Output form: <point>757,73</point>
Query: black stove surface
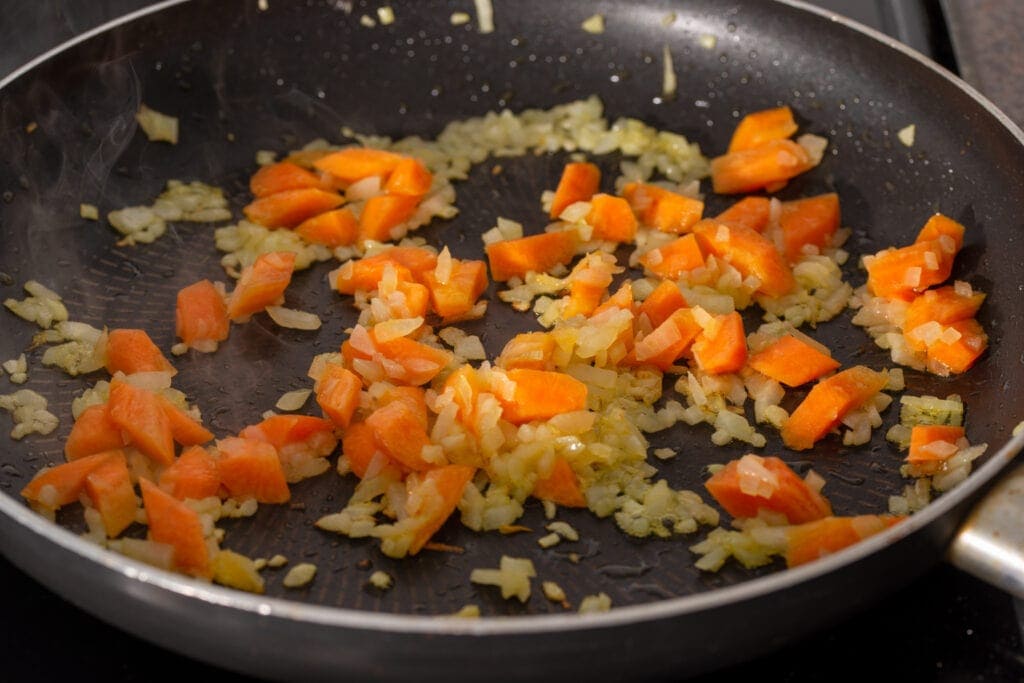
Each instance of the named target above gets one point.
<point>946,627</point>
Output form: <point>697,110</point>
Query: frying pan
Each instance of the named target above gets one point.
<point>242,78</point>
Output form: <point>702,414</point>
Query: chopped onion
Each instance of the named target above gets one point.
<point>591,604</point>
<point>157,127</point>
<point>443,270</point>
<point>293,400</point>
<point>364,189</point>
<point>814,481</point>
<point>292,319</point>
<point>513,577</point>
<point>575,212</point>
<point>484,16</point>
<point>906,135</point>
<point>668,75</point>
<point>814,145</point>
<point>398,327</point>
<point>754,477</point>
<point>594,24</point>
<point>963,289</point>
<point>950,335</point>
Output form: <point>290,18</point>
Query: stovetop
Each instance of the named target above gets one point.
<point>946,627</point>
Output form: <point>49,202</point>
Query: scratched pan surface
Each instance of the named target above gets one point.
<point>241,80</point>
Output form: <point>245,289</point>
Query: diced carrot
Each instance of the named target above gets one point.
<point>611,218</point>
<point>401,435</point>
<point>284,175</point>
<point>289,208</point>
<point>902,273</point>
<point>675,258</point>
<point>536,253</point>
<point>724,350</point>
<point>622,298</point>
<point>766,165</point>
<point>381,214</point>
<point>542,394</point>
<point>57,486</point>
<point>792,361</point>
<point>752,483</point>
<point>410,263</point>
<point>588,284</point>
<point>750,212</point>
<point>665,300</point>
<point>663,209</point>
<point>668,341</point>
<point>141,415</point>
<point>262,284</point>
<point>584,297</point>
<point>420,361</point>
<point>814,540</point>
<point>760,127</point>
<point>579,182</point>
<point>184,429</point>
<point>939,226</point>
<point>131,350</point>
<point>201,315</point>
<point>943,305</point>
<point>418,260</point>
<point>811,221</point>
<point>956,357</point>
<point>174,523</point>
<point>93,432</point>
<point>749,252</point>
<point>356,163</point>
<point>337,392</point>
<point>109,487</point>
<point>561,486</point>
<point>409,177</point>
<point>250,468</point>
<point>931,445</point>
<point>335,228</point>
<point>466,384</point>
<point>527,350</point>
<point>282,431</point>
<point>413,397</point>
<point>457,296</point>
<point>828,402</point>
<point>415,299</point>
<point>193,475</point>
<point>432,498</point>
<point>366,274</point>
<point>359,446</point>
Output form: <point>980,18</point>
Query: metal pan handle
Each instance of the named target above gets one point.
<point>990,544</point>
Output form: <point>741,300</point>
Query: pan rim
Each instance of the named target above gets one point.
<point>345,618</point>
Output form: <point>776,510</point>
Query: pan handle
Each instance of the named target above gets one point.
<point>990,544</point>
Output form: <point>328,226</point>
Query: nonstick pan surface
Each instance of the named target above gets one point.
<point>242,79</point>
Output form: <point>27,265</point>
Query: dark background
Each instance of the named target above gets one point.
<point>945,627</point>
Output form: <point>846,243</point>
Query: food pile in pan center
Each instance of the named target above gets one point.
<point>623,346</point>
